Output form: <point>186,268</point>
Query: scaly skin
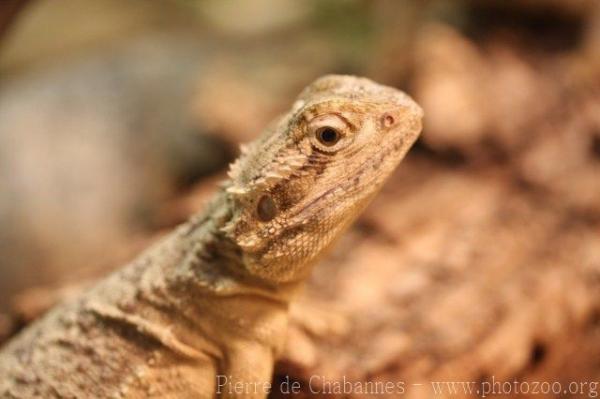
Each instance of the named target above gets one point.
<point>211,299</point>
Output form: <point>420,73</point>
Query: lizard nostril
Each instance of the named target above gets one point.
<point>387,120</point>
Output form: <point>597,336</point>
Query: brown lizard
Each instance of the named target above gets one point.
<point>204,312</point>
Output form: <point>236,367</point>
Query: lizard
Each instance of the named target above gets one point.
<point>203,312</point>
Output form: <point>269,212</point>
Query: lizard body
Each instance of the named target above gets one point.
<point>210,300</point>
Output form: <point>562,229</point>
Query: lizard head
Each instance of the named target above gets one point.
<point>304,181</point>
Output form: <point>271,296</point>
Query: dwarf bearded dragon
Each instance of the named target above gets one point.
<point>211,299</point>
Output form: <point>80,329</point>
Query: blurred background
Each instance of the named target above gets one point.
<point>479,261</point>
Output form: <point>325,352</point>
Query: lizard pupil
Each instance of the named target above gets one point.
<point>266,208</point>
<point>328,136</point>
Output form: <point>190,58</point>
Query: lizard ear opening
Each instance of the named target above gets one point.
<point>266,209</point>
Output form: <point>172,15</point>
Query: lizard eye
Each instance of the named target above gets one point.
<point>329,132</point>
<point>328,135</point>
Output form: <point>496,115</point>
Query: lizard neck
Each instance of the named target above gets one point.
<point>215,263</point>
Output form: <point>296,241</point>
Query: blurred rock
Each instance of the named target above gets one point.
<point>479,99</point>
<point>97,142</point>
<point>450,73</point>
